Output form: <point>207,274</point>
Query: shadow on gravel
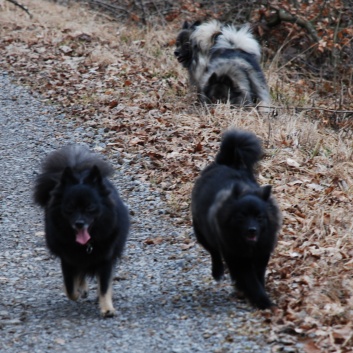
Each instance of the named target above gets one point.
<point>197,302</point>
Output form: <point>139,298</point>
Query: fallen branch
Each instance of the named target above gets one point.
<point>273,107</point>
<point>21,7</point>
<point>318,108</point>
<point>279,15</point>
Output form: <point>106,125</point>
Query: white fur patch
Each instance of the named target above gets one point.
<point>199,69</point>
<point>106,301</point>
<point>203,36</point>
<point>218,202</point>
<point>242,38</point>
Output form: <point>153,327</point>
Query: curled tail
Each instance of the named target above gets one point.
<point>203,37</point>
<point>79,158</point>
<point>239,150</point>
<point>242,38</point>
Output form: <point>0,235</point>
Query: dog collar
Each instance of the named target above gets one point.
<point>89,248</point>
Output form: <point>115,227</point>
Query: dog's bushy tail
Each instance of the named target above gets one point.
<point>239,150</point>
<point>78,158</point>
<point>241,38</point>
<point>203,36</point>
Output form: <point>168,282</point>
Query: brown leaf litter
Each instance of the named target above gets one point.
<point>126,81</point>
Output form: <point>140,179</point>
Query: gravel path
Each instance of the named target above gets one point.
<point>163,291</point>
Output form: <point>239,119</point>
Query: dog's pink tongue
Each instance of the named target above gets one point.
<point>82,236</point>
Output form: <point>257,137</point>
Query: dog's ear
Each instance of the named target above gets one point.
<point>186,25</point>
<point>94,177</point>
<point>265,192</point>
<point>195,24</point>
<point>237,191</point>
<point>68,177</point>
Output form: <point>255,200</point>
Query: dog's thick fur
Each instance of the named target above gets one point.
<point>86,223</point>
<point>185,54</point>
<point>224,64</point>
<point>234,218</point>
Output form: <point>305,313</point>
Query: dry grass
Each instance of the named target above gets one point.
<point>126,79</point>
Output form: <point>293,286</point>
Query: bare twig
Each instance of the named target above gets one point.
<point>322,109</point>
<point>296,56</point>
<point>144,18</point>
<point>280,15</point>
<point>21,7</point>
<point>112,8</point>
<point>308,108</point>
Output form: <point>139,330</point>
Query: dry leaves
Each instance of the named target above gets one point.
<point>126,82</point>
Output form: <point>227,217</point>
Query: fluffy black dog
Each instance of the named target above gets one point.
<point>86,223</point>
<point>234,218</point>
<point>183,50</point>
<point>186,55</point>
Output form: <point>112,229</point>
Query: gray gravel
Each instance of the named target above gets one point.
<point>164,294</point>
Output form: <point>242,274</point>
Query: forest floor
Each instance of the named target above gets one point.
<point>124,81</point>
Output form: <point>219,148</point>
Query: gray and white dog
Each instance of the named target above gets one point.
<point>223,63</point>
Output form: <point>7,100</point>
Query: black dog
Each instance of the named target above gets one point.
<point>234,218</point>
<point>183,50</point>
<point>186,55</point>
<point>86,223</point>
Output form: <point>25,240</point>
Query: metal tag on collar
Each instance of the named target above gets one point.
<point>89,248</point>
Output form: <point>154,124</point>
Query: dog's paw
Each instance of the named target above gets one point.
<point>83,289</point>
<point>80,289</point>
<point>219,277</point>
<point>263,303</point>
<point>218,272</point>
<point>239,294</point>
<point>84,294</point>
<point>74,295</point>
<point>106,304</point>
<point>108,312</point>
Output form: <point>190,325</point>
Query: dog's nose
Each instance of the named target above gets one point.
<point>252,230</point>
<point>176,52</point>
<point>79,224</point>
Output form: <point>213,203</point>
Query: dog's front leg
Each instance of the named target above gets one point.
<point>72,281</point>
<point>105,290</point>
<point>243,273</point>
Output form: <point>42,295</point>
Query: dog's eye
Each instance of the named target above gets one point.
<point>259,218</point>
<point>69,209</point>
<point>239,218</point>
<point>91,208</point>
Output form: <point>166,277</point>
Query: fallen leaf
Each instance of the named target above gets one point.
<point>292,163</point>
